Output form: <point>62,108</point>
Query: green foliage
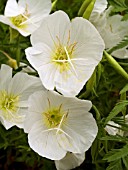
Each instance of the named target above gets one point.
<point>120,6</point>
<point>117,158</point>
<point>71,7</point>
<point>122,44</point>
<point>116,110</point>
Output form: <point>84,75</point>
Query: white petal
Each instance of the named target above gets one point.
<point>5,20</point>
<point>45,142</point>
<point>6,124</point>
<point>121,53</point>
<point>70,161</point>
<point>12,9</point>
<point>90,45</point>
<point>80,126</point>
<point>5,76</point>
<point>37,9</point>
<point>38,55</point>
<point>24,85</point>
<point>16,119</point>
<point>37,104</point>
<point>112,130</point>
<point>100,6</point>
<point>53,27</point>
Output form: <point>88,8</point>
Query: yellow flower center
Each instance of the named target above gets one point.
<point>62,55</point>
<point>8,104</point>
<point>20,19</point>
<point>54,117</point>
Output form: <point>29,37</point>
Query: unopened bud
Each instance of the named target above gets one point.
<point>12,63</point>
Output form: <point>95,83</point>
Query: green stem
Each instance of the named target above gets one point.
<point>5,54</point>
<point>115,65</point>
<point>83,7</point>
<point>88,10</point>
<point>98,117</point>
<point>54,4</point>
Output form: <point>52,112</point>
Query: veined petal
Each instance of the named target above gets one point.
<point>44,142</point>
<point>112,130</point>
<point>37,105</point>
<point>114,31</point>
<point>37,9</point>
<point>13,9</point>
<point>70,161</point>
<point>24,85</point>
<point>60,23</point>
<point>38,55</point>
<point>6,124</point>
<point>89,45</point>
<point>14,119</point>
<point>5,20</point>
<point>85,132</point>
<point>5,80</point>
<point>121,53</point>
<point>100,6</point>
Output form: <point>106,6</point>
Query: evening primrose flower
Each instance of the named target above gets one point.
<point>70,161</point>
<point>112,29</point>
<point>65,53</point>
<point>112,130</point>
<point>99,7</point>
<point>56,124</point>
<point>113,33</point>
<point>26,15</point>
<point>14,93</point>
<point>98,14</point>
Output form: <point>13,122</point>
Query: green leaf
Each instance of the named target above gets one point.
<point>117,109</point>
<point>125,17</point>
<point>119,5</point>
<point>116,154</point>
<point>120,45</point>
<point>115,165</point>
<point>114,138</point>
<point>125,161</point>
<point>124,89</point>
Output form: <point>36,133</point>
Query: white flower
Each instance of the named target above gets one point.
<point>70,161</point>
<point>14,93</point>
<point>26,15</point>
<point>99,7</point>
<point>113,30</point>
<point>97,16</point>
<point>56,124</point>
<point>112,130</point>
<point>26,68</point>
<point>65,53</point>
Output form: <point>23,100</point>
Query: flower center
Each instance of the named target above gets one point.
<point>62,55</point>
<point>53,117</point>
<point>8,104</point>
<point>18,20</point>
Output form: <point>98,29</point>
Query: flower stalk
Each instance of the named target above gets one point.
<point>12,62</point>
<point>115,65</point>
<point>86,9</point>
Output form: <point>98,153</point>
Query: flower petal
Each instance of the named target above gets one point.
<point>70,161</point>
<point>45,142</point>
<point>5,80</point>
<point>23,85</point>
<point>37,9</point>
<point>37,104</point>
<point>59,22</point>
<point>13,9</point>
